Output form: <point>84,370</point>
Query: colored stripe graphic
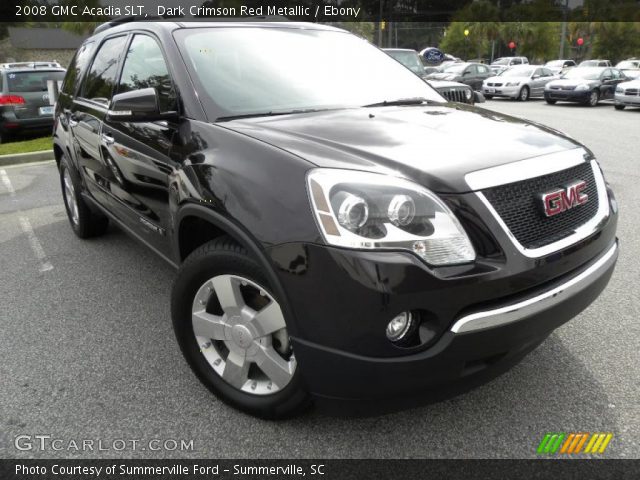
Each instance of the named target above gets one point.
<point>572,443</point>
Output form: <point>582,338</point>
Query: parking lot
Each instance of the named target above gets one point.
<point>87,350</point>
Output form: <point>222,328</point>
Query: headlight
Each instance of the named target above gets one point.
<point>372,211</point>
<point>468,94</point>
<point>582,86</point>
<point>512,84</point>
<point>619,90</point>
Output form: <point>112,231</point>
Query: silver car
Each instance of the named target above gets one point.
<point>627,94</point>
<point>521,82</point>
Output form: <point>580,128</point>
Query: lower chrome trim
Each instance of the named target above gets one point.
<point>580,233</point>
<point>539,303</point>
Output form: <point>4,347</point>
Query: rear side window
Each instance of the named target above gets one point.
<point>145,67</point>
<point>77,68</point>
<point>36,81</point>
<point>101,78</point>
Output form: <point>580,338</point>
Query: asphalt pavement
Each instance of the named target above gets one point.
<point>87,351</point>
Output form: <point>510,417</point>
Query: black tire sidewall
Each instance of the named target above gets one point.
<point>206,264</point>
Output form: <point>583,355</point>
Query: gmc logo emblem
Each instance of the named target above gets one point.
<point>558,201</point>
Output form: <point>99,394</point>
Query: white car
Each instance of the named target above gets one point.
<point>521,82</point>
<point>504,63</point>
<point>560,66</point>
<point>627,94</point>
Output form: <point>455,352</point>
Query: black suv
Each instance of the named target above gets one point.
<point>25,107</point>
<point>340,230</point>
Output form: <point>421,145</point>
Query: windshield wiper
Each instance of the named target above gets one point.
<point>267,114</point>
<point>403,101</point>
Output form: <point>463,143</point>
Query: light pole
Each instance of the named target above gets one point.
<point>466,42</point>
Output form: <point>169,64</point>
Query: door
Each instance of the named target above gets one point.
<point>538,80</point>
<point>608,86</point>
<point>139,151</point>
<point>86,114</point>
<point>484,72</point>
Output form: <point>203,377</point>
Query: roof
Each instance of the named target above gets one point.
<point>44,38</point>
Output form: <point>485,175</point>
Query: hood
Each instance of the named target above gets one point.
<point>631,84</point>
<point>446,84</point>
<point>442,76</point>
<point>432,145</point>
<point>570,82</point>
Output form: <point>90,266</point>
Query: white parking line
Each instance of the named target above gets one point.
<point>36,246</point>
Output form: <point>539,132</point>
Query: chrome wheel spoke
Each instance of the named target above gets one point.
<point>236,370</point>
<point>274,366</point>
<point>208,325</point>
<point>268,320</point>
<point>227,289</point>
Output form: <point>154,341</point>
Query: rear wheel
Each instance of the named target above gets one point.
<point>84,222</point>
<point>619,107</point>
<point>524,94</point>
<point>233,334</point>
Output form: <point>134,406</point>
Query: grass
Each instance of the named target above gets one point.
<point>32,145</point>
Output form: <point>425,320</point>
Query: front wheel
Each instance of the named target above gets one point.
<point>594,97</point>
<point>488,97</point>
<point>232,332</point>
<point>550,102</point>
<point>524,94</point>
<point>619,107</point>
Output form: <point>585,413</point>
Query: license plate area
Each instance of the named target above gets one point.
<point>45,111</point>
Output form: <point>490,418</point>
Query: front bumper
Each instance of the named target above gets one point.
<point>511,92</point>
<point>480,344</point>
<point>628,100</point>
<point>581,96</point>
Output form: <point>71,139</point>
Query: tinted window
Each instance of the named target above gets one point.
<point>516,61</point>
<point>145,67</point>
<point>36,81</point>
<point>77,67</point>
<point>616,73</point>
<point>101,77</point>
<point>483,69</point>
<point>547,73</point>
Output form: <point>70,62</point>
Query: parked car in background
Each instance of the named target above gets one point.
<point>520,82</point>
<point>472,74</point>
<point>629,64</point>
<point>627,95</point>
<point>452,91</point>
<point>586,85</point>
<point>595,63</point>
<point>560,66</point>
<point>25,108</point>
<point>503,63</point>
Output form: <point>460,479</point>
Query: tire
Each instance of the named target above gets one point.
<point>550,102</point>
<point>619,107</point>
<point>594,98</point>
<point>84,222</point>
<point>213,328</point>
<point>488,97</point>
<point>523,96</point>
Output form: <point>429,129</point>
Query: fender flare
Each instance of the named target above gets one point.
<point>245,239</point>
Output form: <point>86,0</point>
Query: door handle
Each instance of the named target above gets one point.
<point>108,139</point>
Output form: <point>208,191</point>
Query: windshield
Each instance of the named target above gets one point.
<point>36,81</point>
<point>501,61</point>
<point>584,73</point>
<point>411,60</point>
<point>627,64</point>
<point>517,72</point>
<point>455,68</point>
<point>244,71</point>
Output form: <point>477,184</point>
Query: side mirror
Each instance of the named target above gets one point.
<point>536,77</point>
<point>136,106</point>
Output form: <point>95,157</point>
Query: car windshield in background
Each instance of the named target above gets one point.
<point>409,60</point>
<point>245,71</point>
<point>554,63</point>
<point>517,72</point>
<point>455,68</point>
<point>585,73</point>
<point>627,64</point>
<point>35,81</point>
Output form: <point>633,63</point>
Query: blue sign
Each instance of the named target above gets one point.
<point>433,55</point>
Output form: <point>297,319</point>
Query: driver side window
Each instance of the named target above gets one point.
<point>145,67</point>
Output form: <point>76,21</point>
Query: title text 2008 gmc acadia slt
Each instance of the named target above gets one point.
<point>341,231</point>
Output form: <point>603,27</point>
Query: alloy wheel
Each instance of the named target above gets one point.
<point>242,334</point>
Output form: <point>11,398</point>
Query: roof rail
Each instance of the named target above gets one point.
<point>120,20</point>
<point>33,65</point>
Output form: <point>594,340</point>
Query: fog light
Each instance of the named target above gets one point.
<point>399,326</point>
